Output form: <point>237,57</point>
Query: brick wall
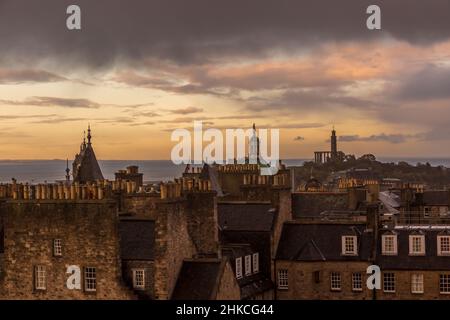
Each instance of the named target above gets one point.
<point>148,292</point>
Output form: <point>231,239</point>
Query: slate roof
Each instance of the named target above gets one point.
<point>246,216</point>
<point>431,261</point>
<point>312,204</point>
<point>85,167</point>
<point>198,279</point>
<point>137,239</point>
<point>436,197</point>
<point>321,242</point>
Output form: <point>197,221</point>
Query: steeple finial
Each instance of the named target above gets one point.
<point>89,134</point>
<point>254,126</point>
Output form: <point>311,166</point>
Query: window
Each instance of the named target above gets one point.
<point>57,247</point>
<point>443,211</point>
<point>349,245</point>
<point>416,245</point>
<point>357,281</point>
<point>40,278</point>
<point>443,245</point>
<point>389,282</point>
<point>238,268</point>
<point>256,262</point>
<point>248,265</point>
<point>417,283</point>
<point>444,283</point>
<point>389,244</point>
<point>283,282</point>
<point>427,212</point>
<point>90,279</point>
<point>139,278</point>
<point>335,279</point>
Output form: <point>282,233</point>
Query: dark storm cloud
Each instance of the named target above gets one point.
<point>431,82</point>
<point>197,31</point>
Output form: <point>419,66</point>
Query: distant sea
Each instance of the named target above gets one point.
<point>38,171</point>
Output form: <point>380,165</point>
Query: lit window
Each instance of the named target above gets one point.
<point>57,247</point>
<point>357,281</point>
<point>417,283</point>
<point>389,244</point>
<point>40,278</point>
<point>389,282</point>
<point>90,279</point>
<point>256,262</point>
<point>443,245</point>
<point>335,279</point>
<point>139,278</point>
<point>283,282</point>
<point>349,245</point>
<point>239,268</point>
<point>416,245</point>
<point>444,283</point>
<point>248,265</point>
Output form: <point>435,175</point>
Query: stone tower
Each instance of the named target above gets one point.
<point>85,166</point>
<point>333,145</point>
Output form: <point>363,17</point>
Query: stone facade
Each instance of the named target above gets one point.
<point>88,234</point>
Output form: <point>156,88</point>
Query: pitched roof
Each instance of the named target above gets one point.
<point>321,242</point>
<point>311,204</point>
<point>240,216</point>
<point>198,279</point>
<point>85,165</point>
<point>431,261</point>
<point>436,197</point>
<point>137,239</point>
<point>210,172</point>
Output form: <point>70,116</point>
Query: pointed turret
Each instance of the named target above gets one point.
<point>85,166</point>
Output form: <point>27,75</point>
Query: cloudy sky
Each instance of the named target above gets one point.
<point>139,69</point>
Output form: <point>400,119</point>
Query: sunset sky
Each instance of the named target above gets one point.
<point>139,69</point>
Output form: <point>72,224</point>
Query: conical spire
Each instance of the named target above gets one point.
<point>89,134</point>
<point>67,170</point>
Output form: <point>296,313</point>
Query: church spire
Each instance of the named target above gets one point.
<point>89,134</point>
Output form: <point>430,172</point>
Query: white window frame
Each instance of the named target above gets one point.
<point>417,283</point>
<point>384,239</point>
<point>255,262</point>
<point>335,281</point>
<point>357,281</point>
<point>389,277</point>
<point>90,279</point>
<point>412,243</point>
<point>40,278</point>
<point>57,247</point>
<point>248,265</point>
<point>239,268</point>
<point>444,283</point>
<point>439,245</point>
<point>283,279</point>
<point>351,241</point>
<point>138,278</point>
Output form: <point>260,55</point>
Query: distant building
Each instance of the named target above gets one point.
<point>332,155</point>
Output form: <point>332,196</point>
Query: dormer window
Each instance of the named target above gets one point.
<point>349,246</point>
<point>389,244</point>
<point>239,268</point>
<point>416,245</point>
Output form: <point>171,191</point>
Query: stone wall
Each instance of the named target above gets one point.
<point>88,231</point>
<point>228,288</point>
<point>303,284</point>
